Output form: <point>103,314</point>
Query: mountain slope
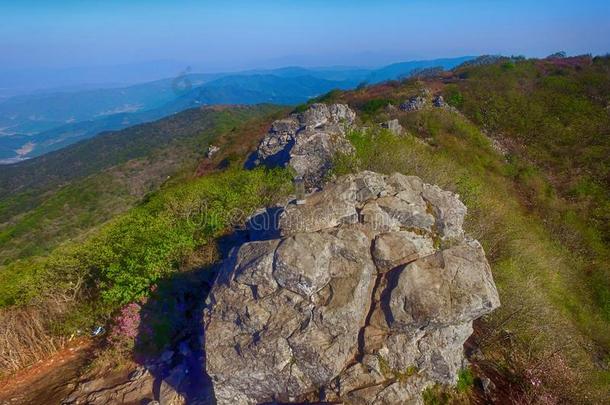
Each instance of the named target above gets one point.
<point>405,69</point>
<point>42,111</point>
<point>549,337</point>
<point>64,193</point>
<point>228,90</point>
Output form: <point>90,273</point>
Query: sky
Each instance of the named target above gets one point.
<point>240,34</point>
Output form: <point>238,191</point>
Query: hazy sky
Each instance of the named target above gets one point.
<point>231,35</point>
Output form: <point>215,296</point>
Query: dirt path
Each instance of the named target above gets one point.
<point>48,381</point>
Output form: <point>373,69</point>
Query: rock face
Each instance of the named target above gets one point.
<point>365,295</point>
<point>307,141</point>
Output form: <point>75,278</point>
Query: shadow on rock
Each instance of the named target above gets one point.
<point>171,343</point>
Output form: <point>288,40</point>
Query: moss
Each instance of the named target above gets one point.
<point>398,375</point>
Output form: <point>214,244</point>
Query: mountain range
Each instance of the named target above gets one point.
<point>34,124</point>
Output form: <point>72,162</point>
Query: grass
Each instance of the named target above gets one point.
<point>541,213</point>
<point>547,305</point>
<point>552,113</point>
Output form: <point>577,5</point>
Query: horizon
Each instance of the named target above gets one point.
<point>220,37</point>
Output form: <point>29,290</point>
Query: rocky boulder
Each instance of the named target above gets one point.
<point>416,103</point>
<point>439,102</point>
<point>365,295</point>
<point>212,150</point>
<point>307,141</point>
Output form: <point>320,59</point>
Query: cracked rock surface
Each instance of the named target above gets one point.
<point>365,294</point>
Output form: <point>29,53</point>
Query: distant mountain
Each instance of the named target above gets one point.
<point>403,70</point>
<point>111,148</point>
<point>261,88</point>
<point>245,90</point>
<point>340,73</point>
<point>39,112</point>
<point>35,124</point>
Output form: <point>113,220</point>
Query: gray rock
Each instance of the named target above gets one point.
<point>354,301</point>
<point>137,388</point>
<point>326,209</point>
<point>410,215</point>
<point>169,391</point>
<point>452,287</point>
<point>393,126</point>
<point>212,150</point>
<point>308,141</point>
<point>393,249</point>
<point>292,341</point>
<point>448,210</point>
<point>280,136</point>
<point>439,102</point>
<point>313,151</point>
<point>302,262</point>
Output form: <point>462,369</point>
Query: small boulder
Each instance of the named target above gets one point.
<point>416,103</point>
<point>307,141</point>
<point>439,102</point>
<point>393,249</point>
<point>212,150</point>
<point>393,126</point>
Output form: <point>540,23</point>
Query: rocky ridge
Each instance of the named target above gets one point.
<point>366,295</point>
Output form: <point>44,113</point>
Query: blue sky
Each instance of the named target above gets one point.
<point>232,35</point>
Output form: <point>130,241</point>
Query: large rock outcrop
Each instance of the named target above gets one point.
<point>307,141</point>
<point>365,295</point>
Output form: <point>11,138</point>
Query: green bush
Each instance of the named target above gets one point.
<point>373,106</point>
<point>124,258</point>
<point>454,96</point>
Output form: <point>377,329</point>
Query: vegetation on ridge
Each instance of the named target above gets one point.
<point>526,150</point>
<point>67,193</point>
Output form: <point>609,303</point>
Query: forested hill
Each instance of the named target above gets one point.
<point>90,156</point>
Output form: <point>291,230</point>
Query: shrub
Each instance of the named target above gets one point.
<point>465,380</point>
<point>454,96</point>
<point>87,281</point>
<point>373,106</point>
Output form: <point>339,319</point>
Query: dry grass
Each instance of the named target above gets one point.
<point>25,339</point>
